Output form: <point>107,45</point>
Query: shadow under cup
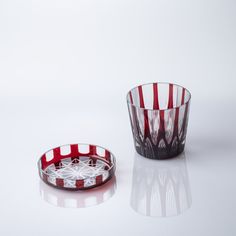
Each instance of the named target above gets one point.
<point>159,117</point>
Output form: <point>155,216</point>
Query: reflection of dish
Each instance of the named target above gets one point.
<point>160,188</point>
<point>81,199</point>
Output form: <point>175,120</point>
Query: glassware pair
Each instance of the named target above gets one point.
<point>159,117</point>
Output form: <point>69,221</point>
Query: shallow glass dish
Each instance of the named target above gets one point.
<point>76,166</point>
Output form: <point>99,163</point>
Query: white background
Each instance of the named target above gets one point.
<point>65,69</point>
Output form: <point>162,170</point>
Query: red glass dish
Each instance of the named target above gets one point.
<point>76,166</point>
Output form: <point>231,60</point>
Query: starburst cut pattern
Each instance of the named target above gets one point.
<point>77,169</point>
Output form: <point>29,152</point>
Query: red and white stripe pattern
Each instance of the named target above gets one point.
<point>76,166</point>
<point>160,189</point>
<point>159,114</point>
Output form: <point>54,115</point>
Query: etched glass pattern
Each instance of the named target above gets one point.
<point>76,166</point>
<point>159,117</point>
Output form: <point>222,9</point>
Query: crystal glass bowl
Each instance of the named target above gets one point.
<point>76,166</point>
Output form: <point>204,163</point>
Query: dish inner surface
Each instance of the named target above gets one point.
<point>81,168</point>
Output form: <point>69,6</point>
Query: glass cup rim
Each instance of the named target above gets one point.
<point>149,109</point>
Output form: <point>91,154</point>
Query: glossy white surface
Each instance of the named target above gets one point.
<point>65,69</point>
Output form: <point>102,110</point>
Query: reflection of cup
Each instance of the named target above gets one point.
<point>81,199</point>
<point>159,118</point>
<point>160,188</point>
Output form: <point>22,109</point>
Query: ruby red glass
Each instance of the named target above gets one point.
<point>76,166</point>
<point>159,117</point>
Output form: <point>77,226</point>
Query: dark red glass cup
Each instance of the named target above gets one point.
<point>159,118</point>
